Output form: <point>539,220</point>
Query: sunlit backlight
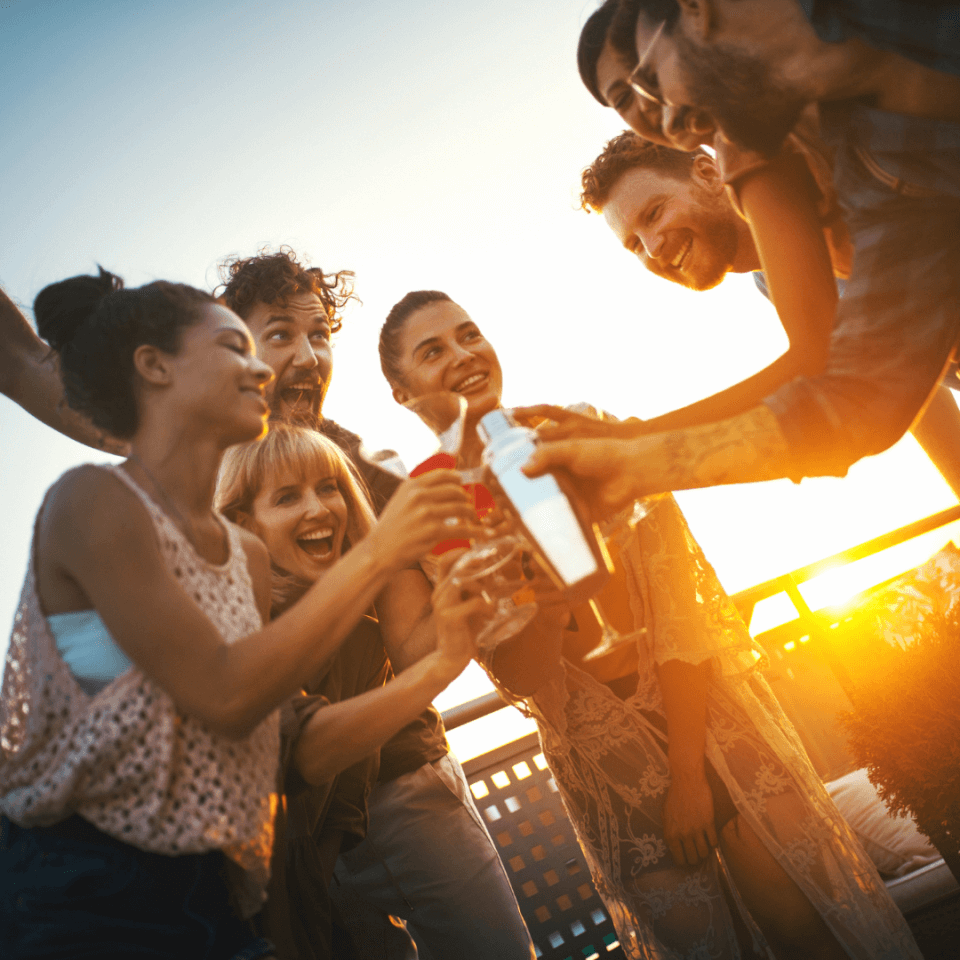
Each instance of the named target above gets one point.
<point>489,732</point>
<point>771,612</point>
<point>480,790</point>
<point>836,587</point>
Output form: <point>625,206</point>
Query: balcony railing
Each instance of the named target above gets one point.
<point>519,801</point>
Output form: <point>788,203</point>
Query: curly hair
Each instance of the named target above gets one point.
<point>393,327</point>
<point>95,325</point>
<point>629,151</point>
<point>272,277</point>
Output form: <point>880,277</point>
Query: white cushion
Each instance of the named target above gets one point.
<point>894,843</point>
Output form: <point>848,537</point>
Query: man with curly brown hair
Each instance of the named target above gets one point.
<point>292,311</point>
<point>427,864</point>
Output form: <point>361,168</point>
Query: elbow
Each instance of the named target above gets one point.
<point>812,364</point>
<point>232,718</point>
<point>808,360</point>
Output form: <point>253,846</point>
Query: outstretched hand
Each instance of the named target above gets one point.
<point>558,423</point>
<point>602,470</point>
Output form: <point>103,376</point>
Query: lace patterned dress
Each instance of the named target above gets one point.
<point>609,758</point>
<point>126,759</point>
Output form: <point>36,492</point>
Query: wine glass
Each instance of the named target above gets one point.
<point>616,532</point>
<point>496,568</point>
<point>497,571</point>
<point>445,414</point>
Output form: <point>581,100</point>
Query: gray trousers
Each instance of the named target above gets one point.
<point>427,883</point>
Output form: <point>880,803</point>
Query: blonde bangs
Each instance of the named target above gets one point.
<point>288,454</point>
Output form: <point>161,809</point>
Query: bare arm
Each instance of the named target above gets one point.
<point>779,204</point>
<point>530,660</point>
<point>613,473</point>
<point>29,377</point>
<point>341,734</point>
<point>97,533</point>
<point>406,621</point>
<point>688,824</point>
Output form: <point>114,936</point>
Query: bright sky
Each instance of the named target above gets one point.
<point>430,144</point>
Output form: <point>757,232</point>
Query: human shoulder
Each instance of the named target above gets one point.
<point>91,493</point>
<point>91,513</point>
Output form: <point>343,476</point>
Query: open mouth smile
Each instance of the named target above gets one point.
<point>471,383</point>
<point>301,395</point>
<point>318,544</point>
<point>680,257</point>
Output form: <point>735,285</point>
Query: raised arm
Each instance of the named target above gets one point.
<point>613,473</point>
<point>406,619</point>
<point>97,533</point>
<point>341,734</point>
<point>779,204</point>
<point>29,377</point>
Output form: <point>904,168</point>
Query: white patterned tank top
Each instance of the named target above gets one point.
<point>126,759</point>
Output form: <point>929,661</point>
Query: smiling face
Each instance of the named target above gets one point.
<point>302,520</point>
<point>683,230</point>
<point>293,338</point>
<point>441,348</point>
<point>641,114</point>
<point>216,381</point>
<point>703,87</point>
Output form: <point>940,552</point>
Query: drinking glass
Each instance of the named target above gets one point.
<point>445,414</point>
<point>616,532</point>
<point>497,569</point>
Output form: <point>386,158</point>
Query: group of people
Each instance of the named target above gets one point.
<point>216,737</point>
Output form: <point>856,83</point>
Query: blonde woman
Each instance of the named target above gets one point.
<point>296,491</point>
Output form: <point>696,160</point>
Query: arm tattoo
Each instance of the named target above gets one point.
<point>743,449</point>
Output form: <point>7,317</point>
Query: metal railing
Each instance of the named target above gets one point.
<point>808,621</point>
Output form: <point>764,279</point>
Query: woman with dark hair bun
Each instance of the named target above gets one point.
<point>138,721</point>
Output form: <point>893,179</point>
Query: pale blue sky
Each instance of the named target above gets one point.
<point>421,144</point>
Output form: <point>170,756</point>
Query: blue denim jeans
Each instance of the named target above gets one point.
<point>71,891</point>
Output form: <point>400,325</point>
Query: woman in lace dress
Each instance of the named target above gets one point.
<point>703,822</point>
<point>138,722</point>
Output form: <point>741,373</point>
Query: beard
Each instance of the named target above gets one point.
<point>741,94</point>
<point>716,243</point>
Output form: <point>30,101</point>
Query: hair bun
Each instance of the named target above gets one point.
<point>61,308</point>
